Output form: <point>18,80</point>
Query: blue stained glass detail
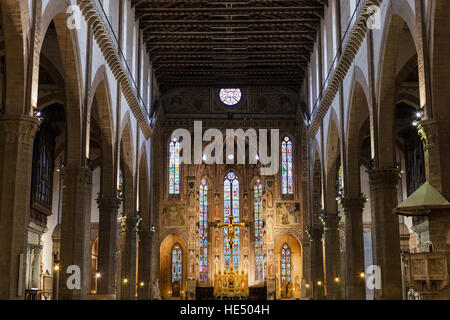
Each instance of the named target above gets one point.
<point>174,167</point>
<point>285,264</point>
<point>287,166</point>
<point>203,231</point>
<point>177,264</point>
<point>258,219</point>
<point>231,207</point>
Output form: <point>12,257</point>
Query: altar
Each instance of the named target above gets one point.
<point>231,284</point>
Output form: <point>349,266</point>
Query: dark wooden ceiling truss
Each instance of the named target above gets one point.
<point>229,43</point>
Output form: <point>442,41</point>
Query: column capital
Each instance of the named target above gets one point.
<point>108,203</point>
<point>315,231</point>
<point>75,173</point>
<point>430,131</point>
<point>352,205</point>
<point>18,128</point>
<point>383,177</point>
<point>130,223</point>
<point>330,220</point>
<point>36,247</point>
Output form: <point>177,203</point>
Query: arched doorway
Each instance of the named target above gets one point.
<point>289,267</point>
<point>173,267</point>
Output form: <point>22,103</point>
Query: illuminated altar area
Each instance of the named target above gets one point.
<point>231,284</point>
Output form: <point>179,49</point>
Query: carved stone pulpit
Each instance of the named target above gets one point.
<point>427,274</point>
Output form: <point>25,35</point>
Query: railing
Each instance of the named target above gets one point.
<point>99,6</point>
<point>342,45</point>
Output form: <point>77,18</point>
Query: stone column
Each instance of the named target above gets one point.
<point>354,248</point>
<point>332,255</point>
<point>17,134</point>
<point>75,233</point>
<point>107,233</point>
<point>130,227</point>
<point>36,266</point>
<point>145,249</point>
<point>155,258</point>
<point>386,231</point>
<point>436,137</point>
<point>316,232</point>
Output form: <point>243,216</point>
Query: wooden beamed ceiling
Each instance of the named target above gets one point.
<point>229,43</point>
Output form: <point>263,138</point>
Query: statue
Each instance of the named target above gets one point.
<point>270,200</point>
<point>156,294</point>
<point>245,205</point>
<point>231,230</point>
<point>191,200</point>
<point>217,263</point>
<point>216,201</point>
<point>413,295</point>
<point>270,229</point>
<point>283,214</point>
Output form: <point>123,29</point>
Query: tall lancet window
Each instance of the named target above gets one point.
<point>340,181</point>
<point>121,183</point>
<point>231,207</point>
<point>203,231</point>
<point>259,261</point>
<point>287,173</point>
<point>174,167</point>
<point>177,264</point>
<point>285,263</point>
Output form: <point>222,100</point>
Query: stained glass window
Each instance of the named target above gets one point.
<point>174,167</point>
<point>121,185</point>
<point>285,263</point>
<point>259,260</point>
<point>230,97</point>
<point>203,232</point>
<point>231,207</point>
<point>177,264</point>
<point>287,174</point>
<point>341,181</point>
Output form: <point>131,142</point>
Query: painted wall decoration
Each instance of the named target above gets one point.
<point>288,213</point>
<point>173,215</point>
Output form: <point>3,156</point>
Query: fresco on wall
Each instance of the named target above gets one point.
<point>186,101</point>
<point>288,213</point>
<point>173,215</point>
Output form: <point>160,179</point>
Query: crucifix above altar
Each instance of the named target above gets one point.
<point>231,230</point>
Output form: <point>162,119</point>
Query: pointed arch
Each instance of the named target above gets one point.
<point>101,111</point>
<point>293,287</point>
<point>358,117</point>
<point>333,164</point>
<point>14,15</point>
<point>396,20</point>
<point>127,164</point>
<point>144,201</point>
<point>316,187</point>
<point>71,71</point>
<point>440,53</point>
<point>169,241</point>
